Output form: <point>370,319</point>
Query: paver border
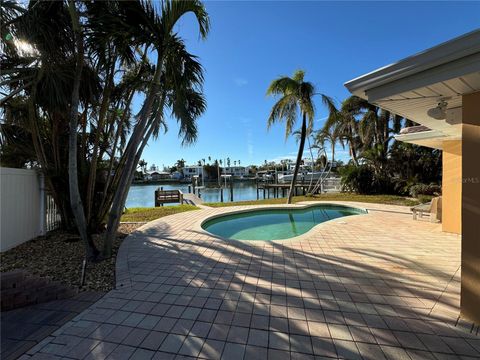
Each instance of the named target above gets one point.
<point>301,205</point>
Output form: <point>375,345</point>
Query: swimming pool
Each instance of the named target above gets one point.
<point>275,224</point>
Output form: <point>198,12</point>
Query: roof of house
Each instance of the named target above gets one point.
<point>452,58</point>
<point>412,86</point>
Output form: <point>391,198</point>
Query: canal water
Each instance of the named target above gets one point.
<point>143,195</point>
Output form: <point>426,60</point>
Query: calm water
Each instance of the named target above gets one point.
<point>275,224</point>
<point>143,195</point>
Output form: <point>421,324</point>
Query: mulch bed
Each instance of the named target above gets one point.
<point>59,256</point>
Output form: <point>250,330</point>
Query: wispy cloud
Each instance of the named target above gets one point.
<point>247,124</point>
<point>239,81</point>
<point>250,143</point>
<point>290,156</point>
<point>321,120</point>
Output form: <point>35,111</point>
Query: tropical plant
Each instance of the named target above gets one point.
<point>180,164</point>
<point>143,165</point>
<point>331,136</point>
<point>88,60</point>
<point>424,189</point>
<point>296,98</point>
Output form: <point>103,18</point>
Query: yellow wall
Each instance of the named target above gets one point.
<point>452,187</point>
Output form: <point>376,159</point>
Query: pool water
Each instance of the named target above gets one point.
<point>275,224</point>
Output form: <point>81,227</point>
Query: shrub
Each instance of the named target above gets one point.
<point>357,179</point>
<point>424,189</point>
<point>424,198</point>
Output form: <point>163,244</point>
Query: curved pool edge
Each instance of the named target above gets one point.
<point>301,205</point>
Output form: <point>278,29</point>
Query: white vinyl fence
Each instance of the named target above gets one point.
<point>26,210</point>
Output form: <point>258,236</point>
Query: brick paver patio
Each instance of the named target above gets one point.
<point>371,286</point>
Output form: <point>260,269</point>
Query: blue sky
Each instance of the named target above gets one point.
<point>252,43</point>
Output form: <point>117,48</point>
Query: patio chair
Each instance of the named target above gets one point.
<point>433,208</point>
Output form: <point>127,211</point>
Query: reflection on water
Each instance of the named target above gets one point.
<point>143,195</point>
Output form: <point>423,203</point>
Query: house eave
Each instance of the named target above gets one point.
<point>458,53</point>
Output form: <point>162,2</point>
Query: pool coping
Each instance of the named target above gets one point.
<point>302,205</point>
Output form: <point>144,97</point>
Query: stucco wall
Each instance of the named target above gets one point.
<point>21,204</point>
<point>452,187</point>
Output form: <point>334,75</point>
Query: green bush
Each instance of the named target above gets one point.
<point>358,179</point>
<point>424,198</point>
<point>424,189</point>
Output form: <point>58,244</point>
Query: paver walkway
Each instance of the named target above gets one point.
<point>23,328</point>
<point>371,286</point>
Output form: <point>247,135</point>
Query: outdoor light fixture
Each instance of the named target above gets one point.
<point>440,111</point>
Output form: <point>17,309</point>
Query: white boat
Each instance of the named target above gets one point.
<point>307,176</point>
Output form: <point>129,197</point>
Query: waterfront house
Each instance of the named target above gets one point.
<point>439,89</point>
<point>236,171</point>
<point>190,171</point>
<point>157,175</point>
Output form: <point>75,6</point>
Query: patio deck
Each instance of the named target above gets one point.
<point>371,286</point>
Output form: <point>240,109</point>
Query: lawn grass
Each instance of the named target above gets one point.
<point>377,199</point>
<point>144,214</point>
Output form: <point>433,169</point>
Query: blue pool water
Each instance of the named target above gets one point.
<point>275,224</point>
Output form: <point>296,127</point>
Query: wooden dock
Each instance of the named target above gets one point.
<point>192,199</point>
<point>280,190</point>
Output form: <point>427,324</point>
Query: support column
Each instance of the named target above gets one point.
<point>452,186</point>
<point>470,285</point>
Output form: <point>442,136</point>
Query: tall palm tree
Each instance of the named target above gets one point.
<point>296,95</point>
<point>183,75</point>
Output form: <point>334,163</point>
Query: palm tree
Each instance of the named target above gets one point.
<point>177,70</point>
<point>108,46</point>
<point>344,125</point>
<point>296,95</point>
<point>332,137</point>
<point>76,203</point>
<point>143,165</point>
<point>180,163</point>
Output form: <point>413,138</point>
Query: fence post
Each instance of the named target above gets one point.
<point>43,206</point>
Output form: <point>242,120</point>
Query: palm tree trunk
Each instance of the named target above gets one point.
<point>130,163</point>
<point>299,158</point>
<point>94,158</point>
<point>75,199</point>
<point>333,151</point>
<point>353,154</point>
